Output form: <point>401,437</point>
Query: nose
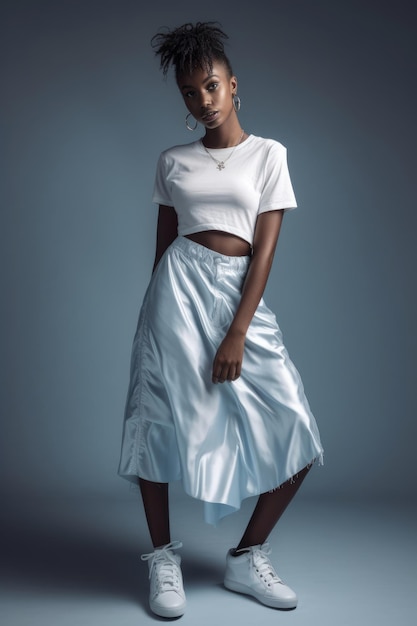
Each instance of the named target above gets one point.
<point>205,100</point>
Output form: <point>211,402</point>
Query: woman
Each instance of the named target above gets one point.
<point>214,399</point>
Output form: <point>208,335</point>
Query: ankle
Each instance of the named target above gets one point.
<point>237,552</point>
<point>243,549</point>
<point>161,546</point>
<point>246,546</point>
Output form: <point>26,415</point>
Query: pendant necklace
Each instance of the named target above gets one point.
<point>221,164</point>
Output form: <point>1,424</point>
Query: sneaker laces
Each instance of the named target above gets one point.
<point>263,565</point>
<point>165,567</point>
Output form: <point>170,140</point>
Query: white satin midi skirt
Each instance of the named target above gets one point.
<point>225,442</point>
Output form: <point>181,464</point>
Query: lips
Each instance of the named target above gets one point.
<point>209,116</point>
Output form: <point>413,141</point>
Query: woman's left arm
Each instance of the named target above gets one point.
<point>227,363</point>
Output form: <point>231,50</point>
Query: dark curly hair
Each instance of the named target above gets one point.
<point>191,46</point>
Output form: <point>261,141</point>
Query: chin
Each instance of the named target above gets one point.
<point>213,125</point>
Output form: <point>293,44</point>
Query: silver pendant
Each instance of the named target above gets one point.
<point>220,165</point>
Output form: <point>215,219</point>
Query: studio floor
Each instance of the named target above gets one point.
<point>76,562</point>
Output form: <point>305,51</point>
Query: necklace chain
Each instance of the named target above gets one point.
<point>221,164</point>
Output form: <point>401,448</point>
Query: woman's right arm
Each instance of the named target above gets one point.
<point>167,230</point>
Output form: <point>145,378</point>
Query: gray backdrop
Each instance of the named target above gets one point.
<point>86,113</point>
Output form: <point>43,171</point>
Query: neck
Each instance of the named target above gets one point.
<point>223,137</point>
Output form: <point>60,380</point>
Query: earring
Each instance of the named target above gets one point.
<point>236,102</point>
<point>187,124</point>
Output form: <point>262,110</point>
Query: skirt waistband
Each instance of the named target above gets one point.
<point>202,253</point>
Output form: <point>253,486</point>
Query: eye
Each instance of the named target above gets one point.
<point>212,86</point>
<point>188,94</point>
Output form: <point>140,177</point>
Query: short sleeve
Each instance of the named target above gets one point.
<point>161,191</point>
<point>277,191</point>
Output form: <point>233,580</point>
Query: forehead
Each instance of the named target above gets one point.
<point>201,75</point>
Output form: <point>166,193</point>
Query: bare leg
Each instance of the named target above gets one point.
<point>155,502</point>
<point>268,510</point>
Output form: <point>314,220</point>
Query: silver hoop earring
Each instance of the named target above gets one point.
<point>187,124</point>
<point>236,103</point>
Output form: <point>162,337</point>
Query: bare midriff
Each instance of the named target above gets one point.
<point>222,242</point>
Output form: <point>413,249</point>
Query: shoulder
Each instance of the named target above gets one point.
<point>267,152</point>
<point>178,152</point>
<point>268,145</point>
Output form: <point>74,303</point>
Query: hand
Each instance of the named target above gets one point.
<point>227,364</point>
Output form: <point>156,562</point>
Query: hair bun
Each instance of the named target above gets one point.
<point>191,46</point>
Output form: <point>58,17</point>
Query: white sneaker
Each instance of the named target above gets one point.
<point>252,573</point>
<point>166,597</point>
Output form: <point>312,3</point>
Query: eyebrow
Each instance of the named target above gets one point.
<point>204,81</point>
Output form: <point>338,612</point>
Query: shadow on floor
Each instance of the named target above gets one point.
<point>41,558</point>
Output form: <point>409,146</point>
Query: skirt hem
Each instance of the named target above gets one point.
<point>214,512</point>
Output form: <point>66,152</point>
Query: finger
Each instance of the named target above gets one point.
<point>222,377</point>
<point>216,375</point>
<point>231,374</point>
<point>219,373</point>
<point>238,371</point>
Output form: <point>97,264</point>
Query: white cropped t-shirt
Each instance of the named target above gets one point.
<point>255,180</point>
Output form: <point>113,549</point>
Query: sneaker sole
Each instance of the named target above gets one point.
<point>285,605</point>
<point>168,612</point>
